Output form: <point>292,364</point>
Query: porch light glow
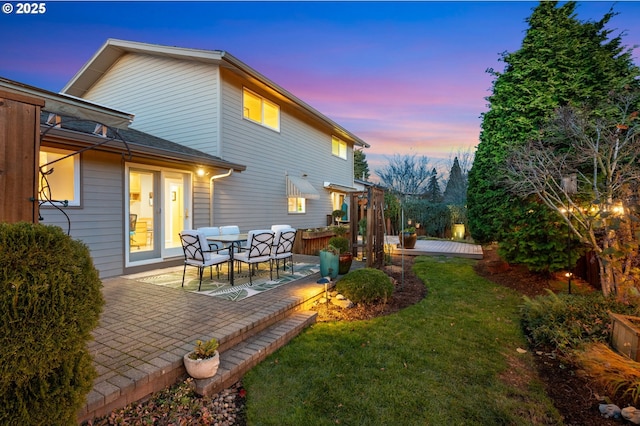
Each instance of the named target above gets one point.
<point>200,172</point>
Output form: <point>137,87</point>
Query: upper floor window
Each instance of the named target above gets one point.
<point>64,182</point>
<point>258,109</point>
<point>338,147</point>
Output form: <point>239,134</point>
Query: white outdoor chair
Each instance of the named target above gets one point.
<point>194,255</point>
<point>258,250</point>
<point>276,228</point>
<point>212,231</point>
<point>230,230</point>
<point>282,248</point>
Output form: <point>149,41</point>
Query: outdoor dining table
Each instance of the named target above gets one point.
<point>232,240</point>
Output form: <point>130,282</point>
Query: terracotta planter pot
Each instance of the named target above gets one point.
<point>409,240</point>
<point>202,368</point>
<point>344,263</point>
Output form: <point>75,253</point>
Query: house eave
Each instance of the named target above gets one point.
<point>112,49</point>
<point>69,105</point>
<point>74,139</point>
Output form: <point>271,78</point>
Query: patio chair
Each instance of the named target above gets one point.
<point>282,248</point>
<point>230,230</point>
<point>276,228</point>
<point>192,243</point>
<point>258,251</point>
<point>211,231</point>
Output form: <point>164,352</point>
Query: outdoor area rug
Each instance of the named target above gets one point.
<point>220,287</point>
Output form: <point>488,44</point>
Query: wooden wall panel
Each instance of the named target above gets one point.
<point>19,147</point>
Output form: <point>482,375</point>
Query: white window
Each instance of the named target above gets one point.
<point>338,147</point>
<point>297,205</point>
<point>63,183</point>
<point>260,110</point>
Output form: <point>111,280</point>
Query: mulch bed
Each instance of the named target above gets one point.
<point>572,395</point>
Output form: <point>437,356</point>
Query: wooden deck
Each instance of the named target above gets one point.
<point>436,248</point>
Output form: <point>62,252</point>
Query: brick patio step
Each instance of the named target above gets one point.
<point>236,361</point>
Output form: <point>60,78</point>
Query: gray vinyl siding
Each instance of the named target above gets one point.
<point>98,221</point>
<point>171,99</point>
<point>201,209</point>
<point>200,106</point>
<point>257,198</point>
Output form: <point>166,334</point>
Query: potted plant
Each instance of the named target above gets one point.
<point>204,360</point>
<point>329,261</point>
<point>337,214</point>
<point>409,237</point>
<point>345,257</point>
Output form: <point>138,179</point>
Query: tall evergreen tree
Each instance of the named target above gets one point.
<point>456,191</point>
<point>562,61</point>
<point>433,193</point>
<point>360,165</point>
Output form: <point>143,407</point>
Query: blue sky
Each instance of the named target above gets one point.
<point>407,77</point>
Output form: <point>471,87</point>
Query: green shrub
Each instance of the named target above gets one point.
<point>341,243</point>
<point>566,321</point>
<point>50,299</point>
<point>365,286</point>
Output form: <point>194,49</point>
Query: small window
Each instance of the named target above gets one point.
<point>338,148</point>
<point>64,181</point>
<point>260,110</point>
<point>297,205</point>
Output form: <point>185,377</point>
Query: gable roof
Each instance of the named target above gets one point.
<point>70,105</point>
<point>113,49</point>
<point>80,117</point>
<point>141,145</point>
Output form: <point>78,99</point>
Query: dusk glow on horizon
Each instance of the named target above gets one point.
<point>406,77</point>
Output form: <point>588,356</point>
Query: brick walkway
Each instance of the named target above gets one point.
<point>146,329</point>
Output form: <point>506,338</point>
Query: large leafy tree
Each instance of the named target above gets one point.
<point>586,168</point>
<point>562,61</point>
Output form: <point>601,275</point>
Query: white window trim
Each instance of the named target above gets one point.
<point>263,101</point>
<point>304,206</point>
<point>76,175</point>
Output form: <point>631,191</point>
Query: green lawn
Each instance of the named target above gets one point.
<point>444,361</point>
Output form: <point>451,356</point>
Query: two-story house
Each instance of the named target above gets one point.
<point>298,163</point>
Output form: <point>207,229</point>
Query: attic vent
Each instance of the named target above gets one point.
<point>54,120</point>
<point>100,130</point>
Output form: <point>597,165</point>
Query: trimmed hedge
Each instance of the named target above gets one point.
<point>341,243</point>
<point>367,286</point>
<point>50,299</point>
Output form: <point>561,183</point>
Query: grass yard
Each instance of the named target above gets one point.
<point>450,359</point>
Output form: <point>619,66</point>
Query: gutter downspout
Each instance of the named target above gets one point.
<point>211,179</point>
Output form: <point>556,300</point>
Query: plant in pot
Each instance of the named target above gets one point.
<point>345,257</point>
<point>337,214</point>
<point>409,237</point>
<point>204,360</point>
<point>329,261</point>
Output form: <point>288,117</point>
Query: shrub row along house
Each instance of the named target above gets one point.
<point>190,138</point>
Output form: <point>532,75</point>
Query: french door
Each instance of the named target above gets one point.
<point>158,209</point>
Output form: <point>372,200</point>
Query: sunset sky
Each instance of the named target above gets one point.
<point>407,77</point>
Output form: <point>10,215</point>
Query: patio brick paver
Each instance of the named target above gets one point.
<point>145,329</point>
